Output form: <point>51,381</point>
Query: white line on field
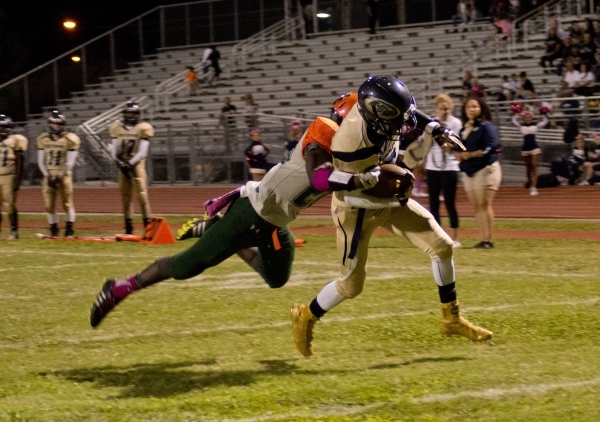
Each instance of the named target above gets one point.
<point>317,413</point>
<point>494,393</point>
<point>241,327</point>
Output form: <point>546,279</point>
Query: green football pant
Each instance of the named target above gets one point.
<point>240,228</point>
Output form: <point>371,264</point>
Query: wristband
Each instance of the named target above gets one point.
<point>320,179</point>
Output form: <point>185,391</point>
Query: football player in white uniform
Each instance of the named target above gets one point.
<point>57,153</point>
<point>130,144</point>
<point>12,148</point>
<point>385,110</point>
<point>255,224</point>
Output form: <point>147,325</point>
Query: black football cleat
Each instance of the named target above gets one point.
<point>104,303</point>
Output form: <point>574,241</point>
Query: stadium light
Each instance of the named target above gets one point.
<point>69,24</point>
<point>75,59</point>
<point>323,15</point>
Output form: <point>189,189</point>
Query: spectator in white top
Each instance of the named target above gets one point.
<point>586,81</point>
<point>569,78</point>
<point>461,15</point>
<point>442,168</point>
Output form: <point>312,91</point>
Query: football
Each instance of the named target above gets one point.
<point>393,181</point>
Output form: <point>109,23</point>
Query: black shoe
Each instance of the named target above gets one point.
<point>104,303</point>
<point>484,245</point>
<point>69,230</point>
<point>54,230</point>
<point>128,226</point>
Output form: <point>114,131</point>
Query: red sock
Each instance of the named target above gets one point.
<point>124,287</point>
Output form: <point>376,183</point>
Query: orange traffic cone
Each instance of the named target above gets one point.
<point>158,232</point>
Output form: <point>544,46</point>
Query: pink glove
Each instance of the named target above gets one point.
<point>213,206</point>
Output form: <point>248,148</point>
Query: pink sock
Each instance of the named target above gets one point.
<point>124,287</point>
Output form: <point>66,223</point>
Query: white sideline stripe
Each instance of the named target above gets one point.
<point>234,328</point>
<point>494,393</point>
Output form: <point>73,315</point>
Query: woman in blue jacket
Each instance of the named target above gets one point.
<point>481,172</point>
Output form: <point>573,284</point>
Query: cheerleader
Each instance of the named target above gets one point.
<point>530,150</point>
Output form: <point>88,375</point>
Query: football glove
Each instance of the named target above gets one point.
<point>53,182</point>
<point>445,137</point>
<point>126,169</point>
<point>369,178</point>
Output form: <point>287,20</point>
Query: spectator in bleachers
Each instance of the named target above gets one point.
<point>554,48</point>
<point>507,90</point>
<point>227,121</point>
<point>525,90</point>
<point>503,30</point>
<point>530,150</point>
<point>570,54</point>
<point>293,136</point>
<point>256,156</point>
<point>497,8</point>
<point>584,86</point>
<point>477,89</point>
<point>569,77</point>
<point>461,16</point>
<point>480,166</point>
<point>560,32</point>
<point>373,14</point>
<point>250,111</point>
<point>210,60</point>
<point>307,14</point>
<point>514,7</point>
<point>592,163</point>
<point>587,50</point>
<point>192,79</point>
<point>474,13</point>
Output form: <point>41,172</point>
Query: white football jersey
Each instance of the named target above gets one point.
<point>286,190</point>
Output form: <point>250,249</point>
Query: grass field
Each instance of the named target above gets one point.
<point>219,347</point>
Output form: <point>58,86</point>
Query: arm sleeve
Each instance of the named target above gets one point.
<point>113,149</point>
<point>41,164</point>
<point>490,139</point>
<point>71,158</point>
<point>515,121</point>
<point>142,152</point>
<point>543,123</point>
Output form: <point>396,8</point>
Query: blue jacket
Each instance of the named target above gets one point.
<point>484,136</point>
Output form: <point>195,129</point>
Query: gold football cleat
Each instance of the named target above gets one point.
<point>303,323</point>
<point>453,323</point>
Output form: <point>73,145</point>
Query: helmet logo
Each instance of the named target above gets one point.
<point>381,108</point>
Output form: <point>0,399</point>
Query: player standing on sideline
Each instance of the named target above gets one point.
<point>12,148</point>
<point>384,111</point>
<point>130,143</point>
<point>57,153</point>
<point>255,224</point>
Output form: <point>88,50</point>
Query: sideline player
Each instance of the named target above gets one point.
<point>255,224</point>
<point>57,153</point>
<point>384,109</point>
<point>12,148</point>
<point>130,143</point>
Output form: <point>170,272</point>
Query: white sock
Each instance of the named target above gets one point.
<point>443,271</point>
<point>329,297</point>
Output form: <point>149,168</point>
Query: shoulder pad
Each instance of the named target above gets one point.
<point>146,130</point>
<point>321,131</point>
<point>21,142</point>
<point>73,139</point>
<point>113,129</point>
<point>40,139</point>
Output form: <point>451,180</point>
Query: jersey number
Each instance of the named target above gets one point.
<point>54,157</point>
<point>307,197</point>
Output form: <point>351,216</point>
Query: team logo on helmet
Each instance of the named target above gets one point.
<point>381,108</point>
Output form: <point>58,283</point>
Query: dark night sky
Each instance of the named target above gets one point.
<point>38,27</point>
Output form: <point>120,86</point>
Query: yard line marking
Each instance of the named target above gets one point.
<point>494,393</point>
<point>240,327</point>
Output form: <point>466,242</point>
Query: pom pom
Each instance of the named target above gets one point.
<point>544,110</point>
<point>516,108</point>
